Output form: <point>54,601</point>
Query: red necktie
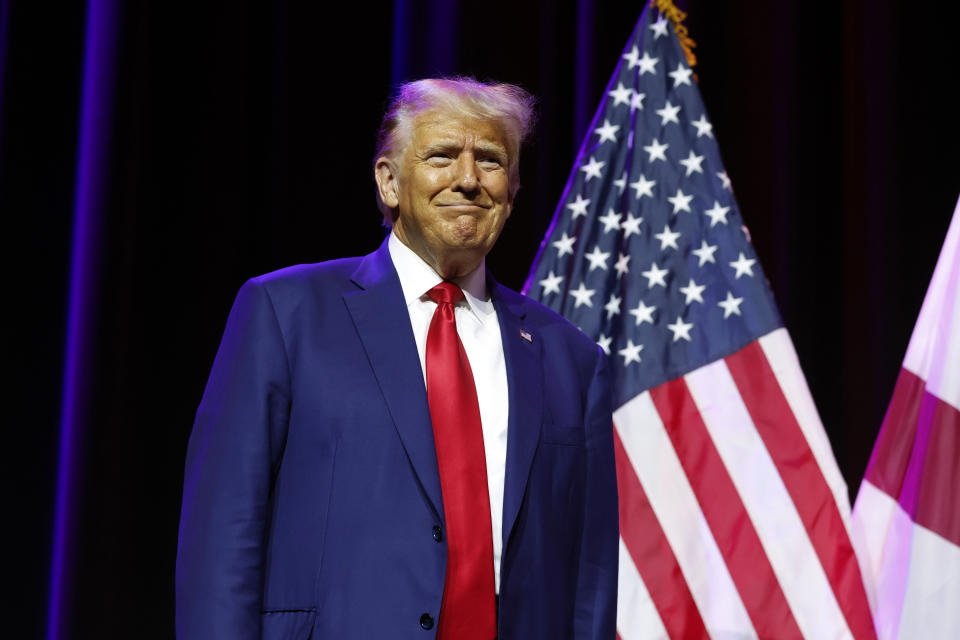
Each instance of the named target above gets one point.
<point>468,611</point>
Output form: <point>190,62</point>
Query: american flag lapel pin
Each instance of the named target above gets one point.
<point>526,336</point>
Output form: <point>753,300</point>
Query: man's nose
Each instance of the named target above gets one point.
<point>465,178</point>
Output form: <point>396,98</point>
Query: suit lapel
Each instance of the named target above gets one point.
<point>525,383</point>
<point>379,313</point>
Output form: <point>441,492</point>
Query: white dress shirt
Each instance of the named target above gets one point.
<point>480,334</point>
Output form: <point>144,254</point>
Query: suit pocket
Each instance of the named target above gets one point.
<point>569,436</point>
<point>287,624</point>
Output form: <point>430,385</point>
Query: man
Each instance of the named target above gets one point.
<point>396,446</point>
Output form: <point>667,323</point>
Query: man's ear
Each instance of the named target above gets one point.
<point>385,173</point>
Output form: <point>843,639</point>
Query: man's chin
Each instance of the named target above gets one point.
<point>470,242</point>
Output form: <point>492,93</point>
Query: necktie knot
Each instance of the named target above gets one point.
<point>446,293</point>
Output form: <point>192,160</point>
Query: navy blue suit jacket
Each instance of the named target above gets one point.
<point>311,487</point>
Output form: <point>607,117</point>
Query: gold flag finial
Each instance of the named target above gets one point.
<point>676,16</point>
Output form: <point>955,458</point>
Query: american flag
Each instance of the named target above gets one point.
<point>906,521</point>
<point>733,514</point>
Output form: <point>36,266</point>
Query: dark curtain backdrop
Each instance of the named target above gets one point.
<point>236,140</point>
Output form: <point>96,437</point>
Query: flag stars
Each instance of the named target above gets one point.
<point>622,265</point>
<point>655,150</point>
<point>705,253</point>
<point>613,305</point>
<point>680,201</point>
<point>633,57</point>
<point>622,94</point>
<point>724,180</point>
<point>611,221</point>
<point>717,214</point>
<point>643,187</point>
<point>704,128</point>
<point>692,163</point>
<point>693,292</point>
<point>631,353</point>
<point>730,306</point>
<point>592,168</point>
<point>604,343</point>
<point>647,64</point>
<point>659,28</point>
<point>668,114</point>
<point>607,132</point>
<point>743,265</point>
<point>667,238</point>
<point>551,284</point>
<point>583,296</point>
<point>681,75</point>
<point>636,102</point>
<point>631,225</point>
<point>680,329</point>
<point>597,258</point>
<point>655,276</point>
<point>578,206</point>
<point>620,183</point>
<point>564,245</point>
<point>643,313</point>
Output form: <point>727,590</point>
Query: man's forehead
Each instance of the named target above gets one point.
<point>433,127</point>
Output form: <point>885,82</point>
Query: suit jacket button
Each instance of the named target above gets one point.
<point>426,622</point>
<point>437,533</point>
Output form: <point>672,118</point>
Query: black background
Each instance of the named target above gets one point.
<point>241,141</point>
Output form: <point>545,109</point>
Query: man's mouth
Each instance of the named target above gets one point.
<point>464,205</point>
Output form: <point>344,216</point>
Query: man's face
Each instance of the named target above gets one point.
<point>453,191</point>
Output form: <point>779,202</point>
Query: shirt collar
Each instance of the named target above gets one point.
<point>417,277</point>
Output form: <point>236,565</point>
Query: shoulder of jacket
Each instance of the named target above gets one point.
<point>546,320</point>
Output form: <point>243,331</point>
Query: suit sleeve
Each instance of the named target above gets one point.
<point>596,605</point>
<point>236,440</point>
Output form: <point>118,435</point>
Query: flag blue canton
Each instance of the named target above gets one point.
<point>647,252</point>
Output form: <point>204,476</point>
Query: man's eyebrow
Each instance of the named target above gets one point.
<point>486,146</point>
<point>441,145</point>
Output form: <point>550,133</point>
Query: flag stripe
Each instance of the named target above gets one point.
<point>939,500</point>
<point>652,555</point>
<point>801,475</point>
<point>656,465</point>
<point>637,617</point>
<point>782,358</point>
<point>725,513</point>
<point>767,502</point>
<point>929,494</point>
<point>915,458</point>
<point>891,454</point>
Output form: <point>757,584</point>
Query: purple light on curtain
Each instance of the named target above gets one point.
<point>583,98</point>
<point>425,39</point>
<point>444,37</point>
<point>400,58</point>
<point>89,203</point>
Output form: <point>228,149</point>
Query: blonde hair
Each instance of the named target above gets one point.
<point>508,105</point>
